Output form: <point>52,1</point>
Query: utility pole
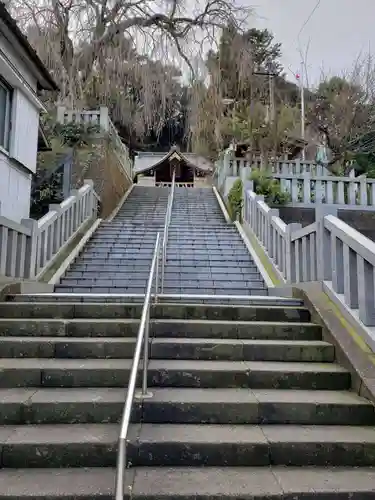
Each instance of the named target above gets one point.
<point>300,78</point>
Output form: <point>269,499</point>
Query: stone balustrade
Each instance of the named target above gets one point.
<point>96,117</point>
<point>329,250</point>
<point>100,118</point>
<point>307,190</point>
<point>288,167</point>
<point>27,249</point>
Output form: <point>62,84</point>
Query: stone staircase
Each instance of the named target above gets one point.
<point>117,258</point>
<point>205,254</point>
<point>248,403</point>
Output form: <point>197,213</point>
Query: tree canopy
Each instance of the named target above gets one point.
<point>140,58</point>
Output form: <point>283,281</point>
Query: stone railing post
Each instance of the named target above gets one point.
<point>31,248</point>
<point>274,212</point>
<point>104,118</point>
<point>56,236</point>
<point>323,243</point>
<point>60,114</point>
<point>246,186</point>
<point>291,256</point>
<point>91,204</point>
<point>257,218</point>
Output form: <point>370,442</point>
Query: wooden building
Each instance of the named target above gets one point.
<point>156,169</point>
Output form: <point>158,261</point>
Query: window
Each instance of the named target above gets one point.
<point>5,106</point>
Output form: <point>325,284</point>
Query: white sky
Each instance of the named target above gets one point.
<point>338,31</point>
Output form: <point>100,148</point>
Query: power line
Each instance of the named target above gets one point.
<point>309,17</point>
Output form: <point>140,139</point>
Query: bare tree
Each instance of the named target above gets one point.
<point>110,49</point>
<point>344,109</point>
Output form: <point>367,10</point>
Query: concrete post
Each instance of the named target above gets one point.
<point>366,291</point>
<point>104,118</point>
<point>290,253</point>
<point>270,243</point>
<point>323,242</point>
<point>350,277</point>
<point>91,205</point>
<point>31,248</point>
<point>60,115</point>
<point>246,186</point>
<point>54,241</point>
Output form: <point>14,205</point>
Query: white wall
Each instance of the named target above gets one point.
<point>15,188</point>
<point>15,181</point>
<point>24,133</point>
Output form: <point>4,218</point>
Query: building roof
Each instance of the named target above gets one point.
<point>45,80</point>
<point>147,161</point>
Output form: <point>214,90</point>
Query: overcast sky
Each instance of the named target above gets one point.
<point>338,31</point>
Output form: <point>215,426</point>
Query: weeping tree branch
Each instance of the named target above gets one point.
<point>109,52</point>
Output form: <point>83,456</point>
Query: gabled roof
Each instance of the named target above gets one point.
<point>147,161</point>
<point>45,80</point>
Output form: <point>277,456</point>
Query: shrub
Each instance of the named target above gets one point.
<point>269,188</point>
<point>235,200</point>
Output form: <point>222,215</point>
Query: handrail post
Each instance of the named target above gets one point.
<point>146,353</point>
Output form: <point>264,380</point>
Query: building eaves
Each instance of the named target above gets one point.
<point>46,82</point>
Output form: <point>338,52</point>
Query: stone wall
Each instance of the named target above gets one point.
<point>104,168</point>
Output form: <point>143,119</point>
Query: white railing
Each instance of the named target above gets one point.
<point>349,267</point>
<point>27,249</point>
<point>328,189</point>
<point>176,184</point>
<point>329,250</point>
<point>95,117</point>
<point>100,118</point>
<point>283,243</point>
<point>289,167</point>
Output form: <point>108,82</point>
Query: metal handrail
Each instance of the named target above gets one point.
<point>142,341</point>
<point>167,222</point>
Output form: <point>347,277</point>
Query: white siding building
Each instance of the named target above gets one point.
<point>22,75</point>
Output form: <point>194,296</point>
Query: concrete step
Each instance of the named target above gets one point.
<point>185,406</point>
<point>214,290</point>
<point>59,484</point>
<point>33,405</point>
<point>105,285</point>
<point>167,348</point>
<point>254,374</point>
<point>212,483</point>
<point>242,350</point>
<point>242,330</point>
<point>173,445</point>
<point>42,372</point>
<point>89,272</point>
<point>258,406</point>
<point>60,445</point>
<point>159,328</point>
<point>128,290</point>
<point>52,306</point>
